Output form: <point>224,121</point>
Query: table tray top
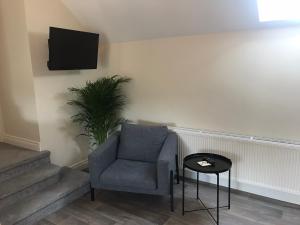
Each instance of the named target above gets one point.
<point>220,163</point>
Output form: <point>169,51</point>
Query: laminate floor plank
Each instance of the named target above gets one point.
<point>120,208</point>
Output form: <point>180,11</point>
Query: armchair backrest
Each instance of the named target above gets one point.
<point>140,142</point>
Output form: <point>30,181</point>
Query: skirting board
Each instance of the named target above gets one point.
<point>21,142</point>
<point>257,189</point>
<point>80,165</point>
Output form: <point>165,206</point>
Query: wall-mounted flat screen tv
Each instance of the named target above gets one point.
<point>72,50</point>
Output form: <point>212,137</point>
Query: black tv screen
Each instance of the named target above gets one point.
<point>72,50</point>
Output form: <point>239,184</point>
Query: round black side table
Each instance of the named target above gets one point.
<point>219,164</point>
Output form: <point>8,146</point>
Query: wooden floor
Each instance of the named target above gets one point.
<point>116,208</point>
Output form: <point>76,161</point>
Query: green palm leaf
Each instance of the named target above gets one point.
<point>99,105</point>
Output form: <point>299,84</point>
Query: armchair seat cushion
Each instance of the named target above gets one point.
<point>129,173</point>
<point>141,143</point>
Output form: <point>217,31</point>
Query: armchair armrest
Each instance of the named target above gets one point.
<point>102,157</point>
<point>166,160</point>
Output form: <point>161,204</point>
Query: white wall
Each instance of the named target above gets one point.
<point>57,132</point>
<point>16,77</point>
<point>240,82</point>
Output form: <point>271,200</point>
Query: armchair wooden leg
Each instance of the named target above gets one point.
<point>171,191</point>
<point>92,190</point>
<point>177,169</point>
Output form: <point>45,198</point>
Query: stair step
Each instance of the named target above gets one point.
<point>16,161</point>
<point>72,185</point>
<point>28,183</point>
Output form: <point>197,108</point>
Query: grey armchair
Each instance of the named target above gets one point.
<point>139,159</point>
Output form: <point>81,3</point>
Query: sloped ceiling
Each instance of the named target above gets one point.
<point>127,20</point>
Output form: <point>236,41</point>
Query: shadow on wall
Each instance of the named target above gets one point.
<point>40,55</point>
<point>17,115</point>
<point>147,122</point>
<point>69,129</point>
<point>16,123</point>
<point>104,49</point>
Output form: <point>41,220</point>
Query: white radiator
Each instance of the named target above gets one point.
<point>265,167</point>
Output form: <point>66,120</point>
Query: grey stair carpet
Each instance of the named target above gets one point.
<point>15,161</point>
<point>32,188</point>
<point>10,155</point>
<point>28,183</point>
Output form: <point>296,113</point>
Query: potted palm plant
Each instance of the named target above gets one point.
<point>99,107</point>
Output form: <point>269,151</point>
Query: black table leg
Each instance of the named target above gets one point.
<point>177,169</point>
<point>171,191</point>
<point>218,198</point>
<point>183,179</point>
<point>92,193</point>
<point>229,188</point>
<point>197,185</point>
<point>222,164</point>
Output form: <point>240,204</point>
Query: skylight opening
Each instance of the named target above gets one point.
<point>278,10</point>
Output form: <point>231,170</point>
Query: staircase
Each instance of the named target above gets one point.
<point>32,188</point>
